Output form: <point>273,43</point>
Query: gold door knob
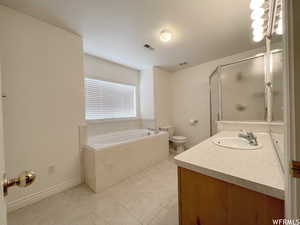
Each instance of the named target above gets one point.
<point>24,179</point>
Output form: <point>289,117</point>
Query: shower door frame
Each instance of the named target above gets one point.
<point>217,72</point>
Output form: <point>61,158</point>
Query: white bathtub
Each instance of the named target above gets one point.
<point>110,158</point>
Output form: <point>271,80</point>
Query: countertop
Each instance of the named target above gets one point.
<point>258,170</point>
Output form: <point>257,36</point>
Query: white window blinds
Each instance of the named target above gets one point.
<point>108,100</point>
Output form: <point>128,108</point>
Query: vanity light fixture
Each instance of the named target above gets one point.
<point>258,38</point>
<point>279,28</point>
<point>257,14</point>
<point>264,23</point>
<point>258,17</point>
<point>257,23</point>
<point>256,4</point>
<point>166,35</point>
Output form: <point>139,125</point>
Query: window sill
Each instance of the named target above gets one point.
<point>111,120</point>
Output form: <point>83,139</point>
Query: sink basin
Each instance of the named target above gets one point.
<point>235,143</point>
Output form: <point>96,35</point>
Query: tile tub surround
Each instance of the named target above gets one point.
<point>108,165</point>
<point>100,127</point>
<point>147,198</point>
<point>257,170</point>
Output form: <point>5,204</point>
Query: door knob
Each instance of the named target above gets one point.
<point>24,179</point>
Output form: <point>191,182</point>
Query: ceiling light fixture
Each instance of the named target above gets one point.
<point>166,36</point>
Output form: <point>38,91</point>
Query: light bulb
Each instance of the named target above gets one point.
<point>257,13</point>
<point>258,32</point>
<point>279,29</point>
<point>254,4</point>
<point>257,23</point>
<point>258,37</point>
<point>166,36</point>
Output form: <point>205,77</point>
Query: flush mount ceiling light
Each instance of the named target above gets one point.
<point>166,36</point>
<point>264,24</point>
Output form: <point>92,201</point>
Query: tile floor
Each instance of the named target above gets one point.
<point>147,198</point>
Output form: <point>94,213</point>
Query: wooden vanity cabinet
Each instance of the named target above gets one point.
<point>205,200</point>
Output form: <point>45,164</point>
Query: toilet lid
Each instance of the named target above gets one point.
<point>179,138</point>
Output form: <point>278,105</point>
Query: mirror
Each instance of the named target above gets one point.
<point>276,69</point>
<point>251,89</point>
<point>277,77</point>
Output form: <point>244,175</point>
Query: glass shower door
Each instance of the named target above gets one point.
<point>214,83</point>
<point>243,90</point>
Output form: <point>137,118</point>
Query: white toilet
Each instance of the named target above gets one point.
<point>178,141</point>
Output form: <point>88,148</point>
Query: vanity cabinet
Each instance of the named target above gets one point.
<point>205,200</point>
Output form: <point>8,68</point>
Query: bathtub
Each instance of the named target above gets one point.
<point>110,158</point>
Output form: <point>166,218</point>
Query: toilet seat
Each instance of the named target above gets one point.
<point>179,139</point>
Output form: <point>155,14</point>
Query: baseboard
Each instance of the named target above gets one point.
<point>32,198</point>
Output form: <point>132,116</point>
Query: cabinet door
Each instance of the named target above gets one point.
<point>208,201</point>
<point>250,208</point>
<point>202,200</point>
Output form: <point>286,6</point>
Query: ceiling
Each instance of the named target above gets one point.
<point>118,29</point>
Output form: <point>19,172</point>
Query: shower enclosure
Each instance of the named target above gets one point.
<point>247,90</point>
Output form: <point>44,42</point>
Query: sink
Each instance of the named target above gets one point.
<point>235,143</point>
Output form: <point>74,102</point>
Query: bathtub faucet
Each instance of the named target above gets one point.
<point>154,130</point>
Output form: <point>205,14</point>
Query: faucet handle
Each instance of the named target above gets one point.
<point>251,134</point>
<point>243,131</point>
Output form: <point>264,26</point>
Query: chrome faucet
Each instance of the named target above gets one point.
<point>155,131</point>
<point>249,136</point>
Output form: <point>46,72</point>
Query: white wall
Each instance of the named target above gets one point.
<point>190,97</point>
<point>155,97</point>
<point>162,100</point>
<point>42,68</point>
<point>105,70</point>
<point>109,71</point>
<point>147,94</point>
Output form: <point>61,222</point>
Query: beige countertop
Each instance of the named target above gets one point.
<point>258,170</point>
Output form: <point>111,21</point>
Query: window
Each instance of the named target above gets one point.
<point>108,100</point>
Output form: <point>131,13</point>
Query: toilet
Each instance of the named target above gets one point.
<point>178,141</point>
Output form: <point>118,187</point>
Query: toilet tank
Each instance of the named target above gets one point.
<point>169,129</point>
